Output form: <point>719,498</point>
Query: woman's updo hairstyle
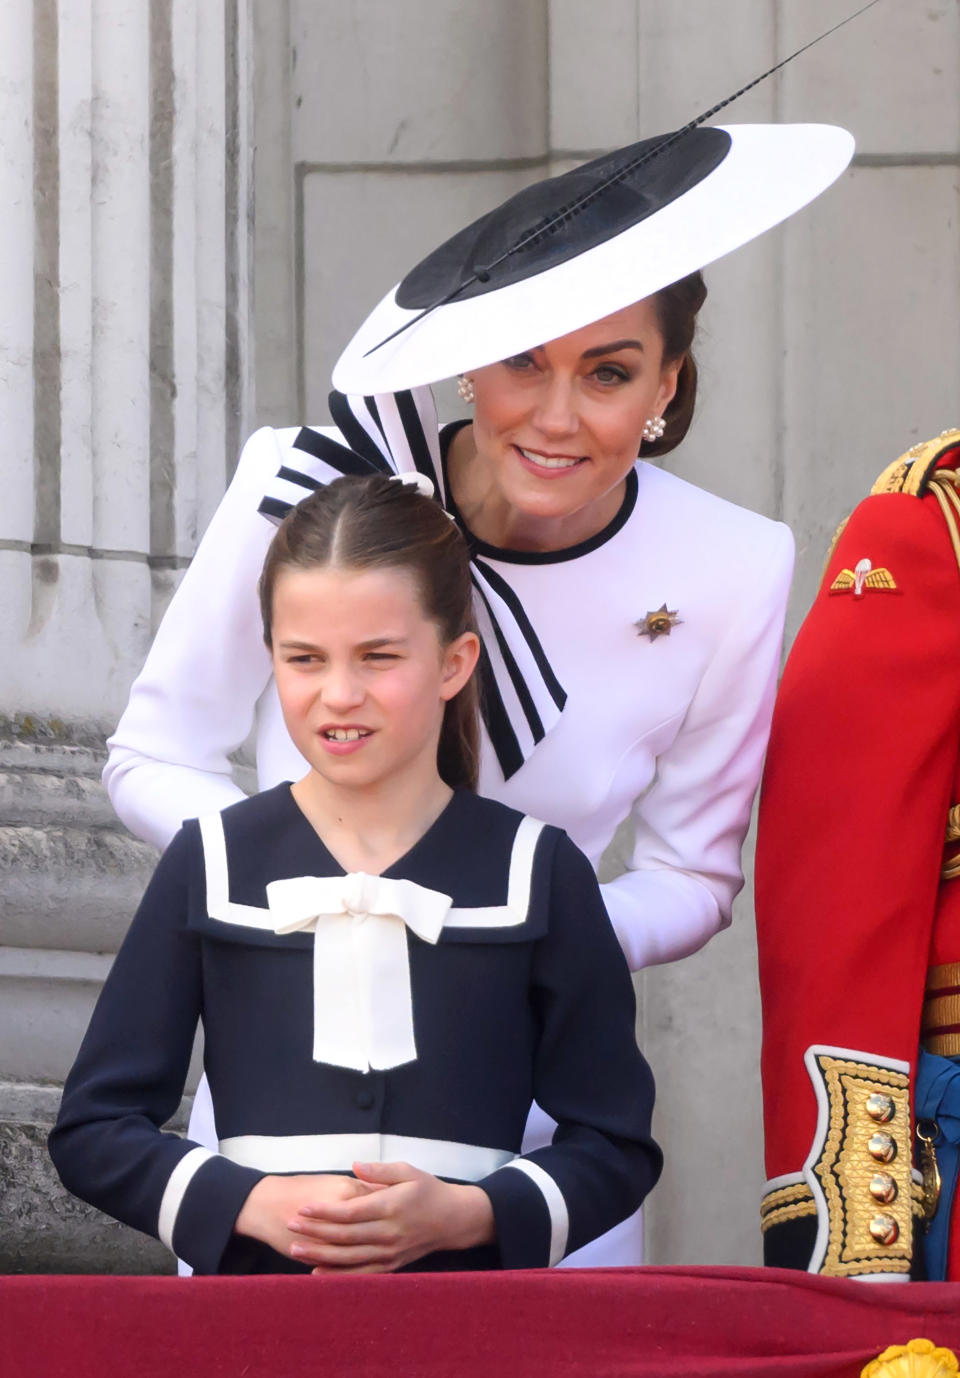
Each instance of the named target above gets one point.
<point>676,307</point>
<point>360,523</point>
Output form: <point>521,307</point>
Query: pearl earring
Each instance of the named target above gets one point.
<point>465,388</point>
<point>653,428</point>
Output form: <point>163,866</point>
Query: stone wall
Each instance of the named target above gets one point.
<point>125,385</point>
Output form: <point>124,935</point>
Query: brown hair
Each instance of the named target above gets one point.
<point>375,523</point>
<point>677,307</point>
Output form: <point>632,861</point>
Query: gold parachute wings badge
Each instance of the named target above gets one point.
<point>863,576</point>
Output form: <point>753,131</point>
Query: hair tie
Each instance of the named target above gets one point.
<point>414,479</point>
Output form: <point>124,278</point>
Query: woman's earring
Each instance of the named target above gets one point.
<point>465,388</point>
<point>653,428</point>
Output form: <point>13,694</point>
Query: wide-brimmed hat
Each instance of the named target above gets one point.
<point>575,248</point>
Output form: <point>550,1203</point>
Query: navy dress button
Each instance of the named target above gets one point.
<point>365,1099</point>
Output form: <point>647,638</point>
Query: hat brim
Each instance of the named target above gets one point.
<point>769,172</point>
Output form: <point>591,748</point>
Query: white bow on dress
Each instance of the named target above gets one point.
<point>362,1005</point>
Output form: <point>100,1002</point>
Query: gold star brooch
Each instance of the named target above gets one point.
<point>659,623</point>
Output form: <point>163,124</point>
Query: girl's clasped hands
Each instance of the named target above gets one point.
<point>387,1215</point>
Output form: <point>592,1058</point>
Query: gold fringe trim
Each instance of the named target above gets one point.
<point>946,974</point>
<point>941,1010</point>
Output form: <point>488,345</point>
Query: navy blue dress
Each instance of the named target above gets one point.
<point>523,993</point>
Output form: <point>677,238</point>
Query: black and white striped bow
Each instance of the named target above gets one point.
<point>395,433</point>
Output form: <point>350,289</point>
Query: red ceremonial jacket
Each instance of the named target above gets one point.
<point>854,920</point>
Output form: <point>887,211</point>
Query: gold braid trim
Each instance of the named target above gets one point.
<point>796,1201</point>
<point>891,480</point>
<point>786,1203</point>
<point>786,1213</point>
<point>846,1167</point>
<point>917,1204</point>
<point>784,1196</point>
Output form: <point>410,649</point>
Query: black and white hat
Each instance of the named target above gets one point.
<point>575,248</point>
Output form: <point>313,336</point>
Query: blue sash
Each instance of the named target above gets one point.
<point>938,1098</point>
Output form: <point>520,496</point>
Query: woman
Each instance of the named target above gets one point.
<point>631,623</point>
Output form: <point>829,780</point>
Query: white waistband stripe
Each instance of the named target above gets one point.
<point>175,1190</point>
<point>338,1153</point>
<point>556,1205</point>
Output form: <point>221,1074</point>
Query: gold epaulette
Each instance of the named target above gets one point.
<point>916,473</point>
<point>911,473</point>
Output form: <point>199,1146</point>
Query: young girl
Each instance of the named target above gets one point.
<point>388,968</point>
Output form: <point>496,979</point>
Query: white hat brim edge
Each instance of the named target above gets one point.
<point>769,173</point>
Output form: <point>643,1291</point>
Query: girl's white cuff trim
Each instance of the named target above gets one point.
<point>556,1206</point>
<point>176,1189</point>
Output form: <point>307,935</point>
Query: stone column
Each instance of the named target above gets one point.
<point>124,371</point>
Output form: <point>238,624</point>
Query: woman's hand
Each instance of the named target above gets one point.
<point>404,1214</point>
<point>270,1211</point>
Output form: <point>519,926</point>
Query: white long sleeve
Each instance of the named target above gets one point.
<point>689,827</point>
<point>194,701</point>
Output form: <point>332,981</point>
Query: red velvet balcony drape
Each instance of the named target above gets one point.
<point>618,1323</point>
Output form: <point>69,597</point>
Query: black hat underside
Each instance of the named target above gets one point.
<point>592,204</point>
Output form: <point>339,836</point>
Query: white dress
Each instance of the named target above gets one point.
<point>667,730</point>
